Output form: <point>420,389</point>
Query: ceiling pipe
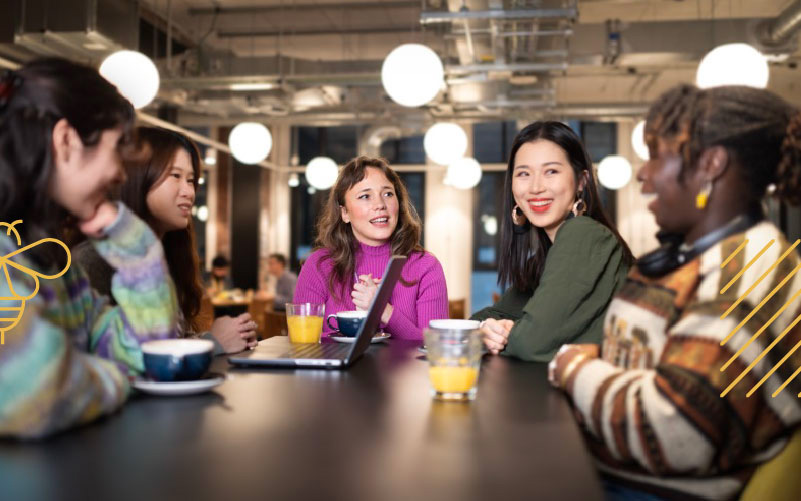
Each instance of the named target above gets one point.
<point>533,67</point>
<point>448,17</point>
<point>783,27</point>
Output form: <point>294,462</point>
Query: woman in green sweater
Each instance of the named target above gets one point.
<point>561,257</point>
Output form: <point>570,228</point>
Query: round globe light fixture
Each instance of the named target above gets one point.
<point>250,142</point>
<point>294,180</point>
<point>445,143</point>
<point>614,172</point>
<point>638,141</point>
<point>412,74</point>
<point>733,64</point>
<point>321,172</point>
<point>211,157</point>
<point>134,75</point>
<point>463,174</point>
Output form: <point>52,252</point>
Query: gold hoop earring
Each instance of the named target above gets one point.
<point>518,218</point>
<point>579,207</point>
<point>702,198</point>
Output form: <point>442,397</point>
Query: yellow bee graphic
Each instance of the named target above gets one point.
<point>12,307</point>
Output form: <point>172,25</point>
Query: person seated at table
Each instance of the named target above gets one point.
<point>285,282</point>
<point>160,188</point>
<point>561,258</point>
<point>67,354</point>
<point>678,403</point>
<point>368,217</point>
<point>218,279</point>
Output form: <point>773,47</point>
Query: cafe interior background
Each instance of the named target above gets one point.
<point>316,76</point>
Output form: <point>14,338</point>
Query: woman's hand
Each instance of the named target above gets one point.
<point>364,291</point>
<point>105,214</point>
<point>235,334</point>
<point>567,359</point>
<point>495,334</point>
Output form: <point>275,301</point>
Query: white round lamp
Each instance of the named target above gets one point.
<point>733,64</point>
<point>412,75</point>
<point>445,143</point>
<point>134,75</point>
<point>250,142</point>
<point>614,172</point>
<point>321,172</point>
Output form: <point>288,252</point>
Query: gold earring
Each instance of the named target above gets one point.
<point>517,216</point>
<point>579,207</point>
<point>702,198</point>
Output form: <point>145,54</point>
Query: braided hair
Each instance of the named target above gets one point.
<point>760,130</point>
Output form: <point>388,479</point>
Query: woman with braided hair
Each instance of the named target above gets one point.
<point>680,401</point>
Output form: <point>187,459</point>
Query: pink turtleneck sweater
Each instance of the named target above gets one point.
<point>413,306</point>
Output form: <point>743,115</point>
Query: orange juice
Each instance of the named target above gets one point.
<point>452,379</point>
<point>304,329</point>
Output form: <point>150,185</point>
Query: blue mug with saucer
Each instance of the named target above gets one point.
<point>177,359</point>
<point>348,322</point>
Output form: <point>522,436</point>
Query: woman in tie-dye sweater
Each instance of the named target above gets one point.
<point>683,401</point>
<point>67,354</point>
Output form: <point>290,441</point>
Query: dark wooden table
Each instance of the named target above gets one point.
<point>369,433</point>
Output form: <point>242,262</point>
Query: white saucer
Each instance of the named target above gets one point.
<point>178,388</point>
<point>346,339</point>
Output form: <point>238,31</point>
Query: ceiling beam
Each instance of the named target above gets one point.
<point>271,9</point>
<point>295,32</point>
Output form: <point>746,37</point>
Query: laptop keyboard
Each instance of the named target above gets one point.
<point>327,350</point>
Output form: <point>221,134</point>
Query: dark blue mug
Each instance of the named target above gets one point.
<point>177,359</point>
<point>348,322</point>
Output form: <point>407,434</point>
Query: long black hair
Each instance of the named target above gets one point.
<point>524,249</point>
<point>156,149</point>
<point>32,100</point>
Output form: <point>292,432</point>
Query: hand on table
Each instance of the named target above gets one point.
<point>235,334</point>
<point>566,361</point>
<point>495,334</point>
<point>363,292</point>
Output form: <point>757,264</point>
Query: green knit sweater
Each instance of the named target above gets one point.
<point>583,270</point>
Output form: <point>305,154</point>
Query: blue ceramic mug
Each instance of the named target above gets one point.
<point>177,359</point>
<point>348,322</point>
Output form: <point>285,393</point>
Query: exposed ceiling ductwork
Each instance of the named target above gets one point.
<point>322,62</point>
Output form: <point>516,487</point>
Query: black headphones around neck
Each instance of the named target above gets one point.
<point>673,253</point>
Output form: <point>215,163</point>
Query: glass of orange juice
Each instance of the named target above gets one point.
<point>454,358</point>
<point>305,322</point>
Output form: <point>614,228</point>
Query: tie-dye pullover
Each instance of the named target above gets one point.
<point>69,358</point>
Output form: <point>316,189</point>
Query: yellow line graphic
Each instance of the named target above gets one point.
<point>767,324</point>
<point>752,261</point>
<point>738,249</point>
<point>759,280</point>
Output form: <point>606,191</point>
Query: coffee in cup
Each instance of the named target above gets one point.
<point>177,359</point>
<point>348,322</point>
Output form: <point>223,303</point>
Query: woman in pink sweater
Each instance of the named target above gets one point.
<point>368,218</point>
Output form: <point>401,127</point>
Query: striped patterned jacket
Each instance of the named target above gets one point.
<point>669,406</point>
<point>68,359</point>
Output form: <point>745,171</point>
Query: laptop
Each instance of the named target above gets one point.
<point>279,352</point>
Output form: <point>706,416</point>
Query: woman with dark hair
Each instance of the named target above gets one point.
<point>67,353</point>
<point>368,217</point>
<point>681,403</point>
<point>560,256</point>
<point>160,185</point>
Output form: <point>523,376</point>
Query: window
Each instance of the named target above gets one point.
<point>487,216</point>
<point>404,150</point>
<point>492,141</point>
<point>416,186</point>
<point>338,143</point>
<point>307,206</point>
<point>600,138</point>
